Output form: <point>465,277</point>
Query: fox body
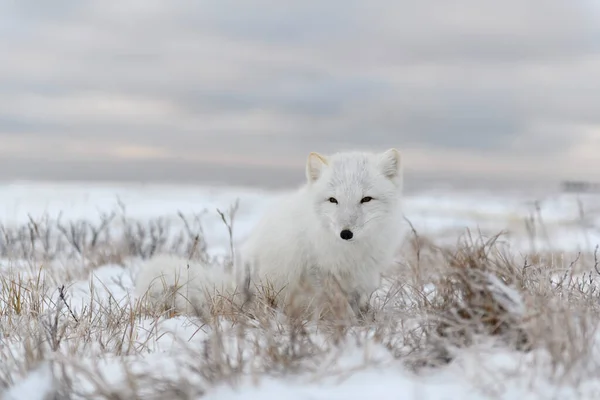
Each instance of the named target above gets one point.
<point>343,225</point>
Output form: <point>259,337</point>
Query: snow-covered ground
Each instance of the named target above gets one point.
<point>558,222</point>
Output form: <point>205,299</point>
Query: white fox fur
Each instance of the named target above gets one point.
<point>299,241</point>
<point>183,285</point>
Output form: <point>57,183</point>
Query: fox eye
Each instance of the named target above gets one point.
<point>333,200</point>
<point>366,199</point>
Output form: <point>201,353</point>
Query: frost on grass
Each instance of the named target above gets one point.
<point>470,320</point>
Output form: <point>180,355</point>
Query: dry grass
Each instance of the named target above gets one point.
<point>100,342</point>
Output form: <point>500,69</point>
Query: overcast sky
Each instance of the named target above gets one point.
<point>241,91</point>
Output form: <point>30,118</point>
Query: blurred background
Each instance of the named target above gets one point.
<point>478,94</point>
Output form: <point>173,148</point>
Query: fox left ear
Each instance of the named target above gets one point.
<point>389,164</point>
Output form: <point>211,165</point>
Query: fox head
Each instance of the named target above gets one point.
<point>355,193</point>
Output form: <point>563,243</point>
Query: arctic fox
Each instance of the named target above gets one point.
<point>342,227</point>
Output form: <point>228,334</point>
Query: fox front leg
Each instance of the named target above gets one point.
<point>360,304</point>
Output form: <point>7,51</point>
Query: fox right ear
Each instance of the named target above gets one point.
<point>314,166</point>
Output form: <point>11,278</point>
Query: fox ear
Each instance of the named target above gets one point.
<point>389,163</point>
<point>314,166</point>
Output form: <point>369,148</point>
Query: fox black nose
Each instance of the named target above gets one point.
<point>346,234</point>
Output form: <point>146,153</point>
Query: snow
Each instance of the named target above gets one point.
<point>378,375</point>
<point>34,386</point>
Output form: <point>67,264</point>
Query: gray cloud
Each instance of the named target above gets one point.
<point>262,83</point>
